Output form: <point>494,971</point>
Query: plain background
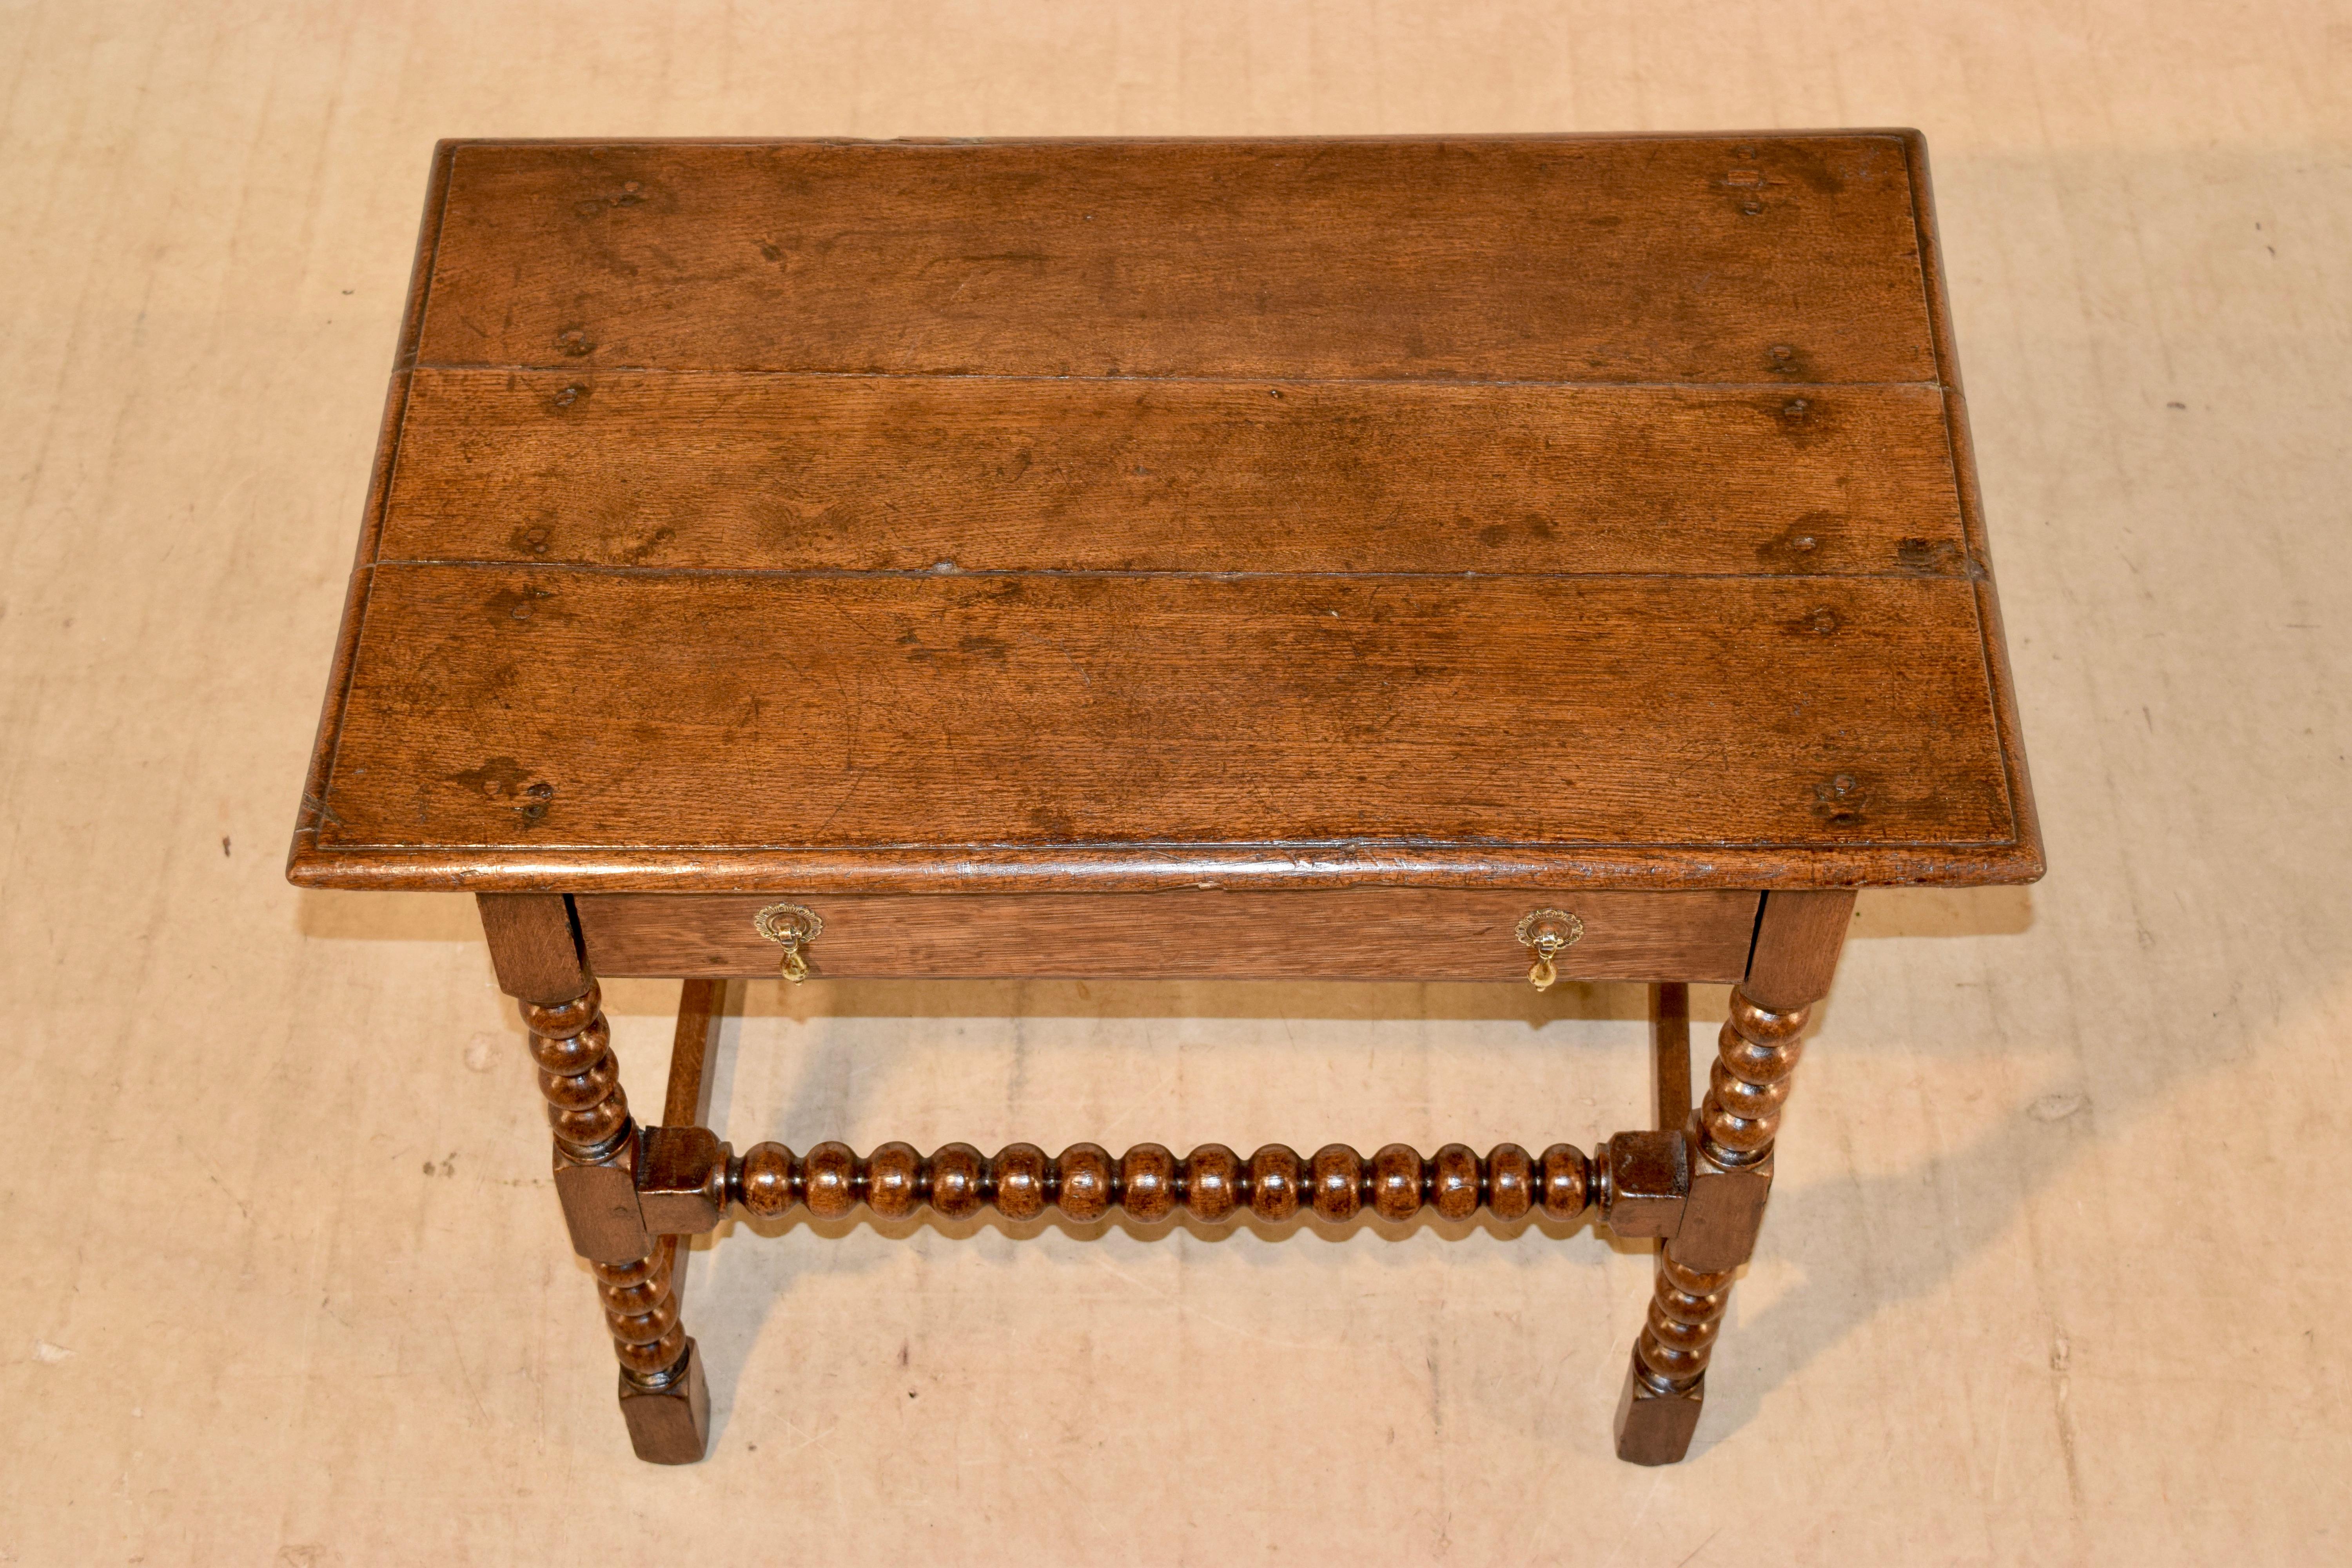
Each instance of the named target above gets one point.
<point>2055,1269</point>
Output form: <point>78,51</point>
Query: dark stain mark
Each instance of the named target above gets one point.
<point>1799,162</point>
<point>1746,188</point>
<point>1840,801</point>
<point>503,778</point>
<point>996,649</point>
<point>1801,541</point>
<point>574,394</point>
<point>1750,179</point>
<point>1929,557</point>
<point>535,798</point>
<point>521,605</point>
<point>500,777</point>
<point>1604,221</point>
<point>635,555</point>
<point>1820,622</point>
<point>1534,525</point>
<point>532,541</point>
<point>630,194</point>
<point>224,845</point>
<point>574,342</point>
<point>768,252</point>
<point>1054,827</point>
<point>1802,421</point>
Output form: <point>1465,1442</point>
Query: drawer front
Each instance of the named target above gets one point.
<point>1358,933</point>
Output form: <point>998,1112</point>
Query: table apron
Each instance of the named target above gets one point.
<point>1356,933</point>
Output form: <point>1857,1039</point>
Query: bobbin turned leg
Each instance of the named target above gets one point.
<point>1798,938</point>
<point>537,953</point>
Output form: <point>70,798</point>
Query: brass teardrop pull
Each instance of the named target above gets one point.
<point>791,927</point>
<point>1547,931</point>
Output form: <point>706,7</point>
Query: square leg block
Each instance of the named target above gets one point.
<point>1655,1427</point>
<point>1725,1212</point>
<point>1644,1180</point>
<point>670,1425</point>
<point>682,1181</point>
<point>600,1209</point>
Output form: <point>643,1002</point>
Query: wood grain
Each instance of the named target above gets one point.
<point>1670,1063</point>
<point>647,383</point>
<point>669,1421</point>
<point>1998,675</point>
<point>387,448</point>
<point>499,715</point>
<point>1513,259</point>
<point>1799,936</point>
<point>533,948</point>
<point>641,468</point>
<point>1370,933</point>
<point>701,1013</point>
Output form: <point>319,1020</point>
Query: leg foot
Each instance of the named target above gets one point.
<point>1654,1424</point>
<point>669,1424</point>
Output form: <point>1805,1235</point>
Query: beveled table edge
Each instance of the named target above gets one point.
<point>1001,869</point>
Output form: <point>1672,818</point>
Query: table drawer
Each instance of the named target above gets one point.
<point>1373,933</point>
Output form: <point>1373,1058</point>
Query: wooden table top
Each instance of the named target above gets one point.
<point>1544,511</point>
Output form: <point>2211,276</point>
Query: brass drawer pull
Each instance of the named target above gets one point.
<point>793,927</point>
<point>1547,931</point>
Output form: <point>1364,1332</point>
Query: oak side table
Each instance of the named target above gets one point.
<point>1446,559</point>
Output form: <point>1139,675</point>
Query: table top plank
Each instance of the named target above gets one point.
<point>497,710</point>
<point>728,470</point>
<point>1569,259</point>
<point>1518,512</point>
